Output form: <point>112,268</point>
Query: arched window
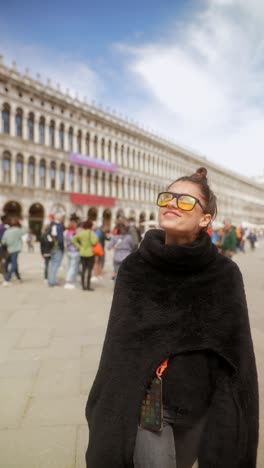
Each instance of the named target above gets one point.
<point>122,155</point>
<point>6,119</point>
<point>41,131</point>
<point>19,169</point>
<point>129,189</point>
<point>103,149</point>
<point>31,171</point>
<point>61,137</point>
<point>123,188</point>
<point>52,175</point>
<point>52,134</point>
<point>96,182</point>
<point>109,149</point>
<point>110,185</point>
<point>62,177</point>
<point>139,190</point>
<point>71,178</point>
<point>87,144</point>
<point>42,173</point>
<point>19,116</point>
<point>117,186</point>
<point>30,126</point>
<point>70,139</point>
<point>116,153</point>
<point>79,180</point>
<point>103,184</point>
<point>88,181</point>
<point>79,142</point>
<point>95,146</point>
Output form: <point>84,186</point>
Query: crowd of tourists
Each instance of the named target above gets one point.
<point>84,245</point>
<point>80,241</point>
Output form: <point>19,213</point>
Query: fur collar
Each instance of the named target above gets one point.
<point>178,257</point>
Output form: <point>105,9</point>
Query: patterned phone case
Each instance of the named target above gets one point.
<point>151,407</point>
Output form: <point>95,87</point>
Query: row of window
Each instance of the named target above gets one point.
<point>79,181</point>
<point>96,147</point>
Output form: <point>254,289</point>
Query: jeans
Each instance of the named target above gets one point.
<point>87,266</point>
<point>176,446</point>
<point>46,266</point>
<point>55,261</point>
<point>73,266</point>
<point>12,260</point>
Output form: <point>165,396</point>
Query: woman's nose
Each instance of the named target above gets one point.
<point>172,203</point>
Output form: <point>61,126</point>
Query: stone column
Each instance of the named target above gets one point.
<point>24,125</point>
<point>99,147</point>
<point>12,117</point>
<point>92,182</point>
<point>47,178</point>
<point>46,133</point>
<point>25,173</point>
<point>37,161</point>
<point>13,170</point>
<point>35,128</point>
<point>91,145</point>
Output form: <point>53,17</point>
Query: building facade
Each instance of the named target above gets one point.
<point>58,153</point>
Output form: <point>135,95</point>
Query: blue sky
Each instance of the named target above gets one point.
<point>191,70</point>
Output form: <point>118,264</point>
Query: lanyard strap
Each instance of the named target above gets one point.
<point>161,369</point>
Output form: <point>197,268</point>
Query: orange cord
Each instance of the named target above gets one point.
<point>160,370</point>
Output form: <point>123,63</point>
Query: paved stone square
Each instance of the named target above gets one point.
<point>50,344</point>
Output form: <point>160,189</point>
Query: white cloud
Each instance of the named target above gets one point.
<point>207,80</point>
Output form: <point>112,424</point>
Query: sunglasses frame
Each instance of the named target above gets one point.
<point>177,196</point>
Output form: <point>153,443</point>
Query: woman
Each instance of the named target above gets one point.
<point>12,238</point>
<point>84,241</point>
<point>179,311</point>
<point>72,254</point>
<point>122,243</point>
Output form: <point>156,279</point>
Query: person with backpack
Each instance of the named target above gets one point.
<point>46,246</point>
<point>72,254</point>
<point>56,231</point>
<point>12,239</point>
<point>84,241</point>
<point>101,233</point>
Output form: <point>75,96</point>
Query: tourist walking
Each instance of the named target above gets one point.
<point>123,245</point>
<point>73,256</point>
<point>228,244</point>
<point>46,245</point>
<point>103,235</point>
<point>84,242</point>
<point>12,239</point>
<point>179,320</point>
<point>56,232</point>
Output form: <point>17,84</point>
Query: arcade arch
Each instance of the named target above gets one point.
<point>35,218</point>
<point>12,209</point>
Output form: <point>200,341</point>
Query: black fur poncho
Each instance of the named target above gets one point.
<point>171,299</point>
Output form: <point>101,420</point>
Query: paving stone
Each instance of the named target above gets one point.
<point>19,368</point>
<point>42,447</point>
<point>35,339</point>
<point>55,411</point>
<point>58,377</point>
<point>15,394</point>
<point>8,339</point>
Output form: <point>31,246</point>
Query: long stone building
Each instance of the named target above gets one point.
<point>58,153</point>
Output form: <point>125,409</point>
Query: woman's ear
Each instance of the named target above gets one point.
<point>205,220</point>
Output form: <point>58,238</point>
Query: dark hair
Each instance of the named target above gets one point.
<point>87,224</point>
<point>200,179</point>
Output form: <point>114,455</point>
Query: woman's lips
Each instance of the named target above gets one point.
<point>171,213</point>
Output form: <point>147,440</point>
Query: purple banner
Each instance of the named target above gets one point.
<point>84,160</point>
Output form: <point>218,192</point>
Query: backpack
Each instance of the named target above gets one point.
<point>47,242</point>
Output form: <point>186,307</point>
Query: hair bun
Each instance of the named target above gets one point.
<point>201,173</point>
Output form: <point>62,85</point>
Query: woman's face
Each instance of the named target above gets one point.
<point>180,225</point>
